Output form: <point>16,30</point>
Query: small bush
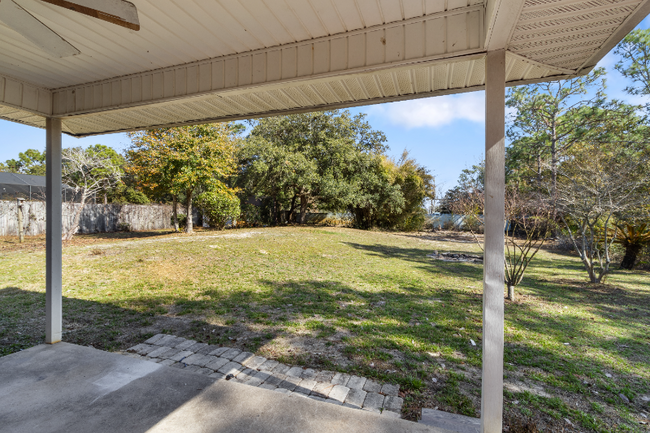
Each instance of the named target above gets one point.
<point>449,225</point>
<point>182,220</point>
<point>123,227</point>
<point>251,216</point>
<point>413,223</point>
<point>219,207</point>
<point>336,222</point>
<point>472,223</point>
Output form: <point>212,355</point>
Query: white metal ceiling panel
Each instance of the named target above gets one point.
<point>407,82</point>
<point>210,60</point>
<point>566,33</point>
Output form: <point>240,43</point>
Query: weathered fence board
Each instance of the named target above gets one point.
<point>94,218</point>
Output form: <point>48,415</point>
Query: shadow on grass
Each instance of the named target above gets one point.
<point>419,256</point>
<point>127,235</point>
<point>103,325</point>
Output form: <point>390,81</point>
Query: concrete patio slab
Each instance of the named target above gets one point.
<point>459,423</point>
<point>69,388</point>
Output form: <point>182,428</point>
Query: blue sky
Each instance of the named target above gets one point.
<point>444,133</point>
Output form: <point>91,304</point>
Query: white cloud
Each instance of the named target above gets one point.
<point>434,112</point>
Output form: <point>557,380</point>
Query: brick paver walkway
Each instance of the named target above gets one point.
<point>224,363</point>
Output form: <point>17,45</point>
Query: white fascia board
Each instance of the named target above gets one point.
<point>520,71</point>
<point>501,18</point>
<point>25,96</point>
<point>442,35</point>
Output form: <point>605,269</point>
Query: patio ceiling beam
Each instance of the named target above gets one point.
<point>444,35</point>
<point>25,96</point>
<point>501,18</point>
<point>494,259</point>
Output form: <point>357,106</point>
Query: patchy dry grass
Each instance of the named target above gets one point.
<point>371,303</point>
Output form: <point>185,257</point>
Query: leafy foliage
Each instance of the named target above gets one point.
<point>219,207</point>
<point>305,161</point>
<point>415,183</point>
<point>634,63</point>
<point>549,119</point>
<point>331,161</point>
<point>182,160</point>
<point>29,162</point>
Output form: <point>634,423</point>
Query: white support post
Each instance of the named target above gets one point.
<point>493,263</point>
<point>53,247</point>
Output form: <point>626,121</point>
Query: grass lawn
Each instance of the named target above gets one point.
<point>577,355</point>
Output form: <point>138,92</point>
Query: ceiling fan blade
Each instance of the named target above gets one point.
<point>120,12</point>
<point>35,31</point>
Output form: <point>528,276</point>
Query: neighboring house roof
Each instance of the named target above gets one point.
<point>21,179</point>
<point>17,185</point>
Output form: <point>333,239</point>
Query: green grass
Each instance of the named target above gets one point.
<point>368,303</point>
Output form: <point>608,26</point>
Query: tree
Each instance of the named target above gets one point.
<point>634,64</point>
<point>597,182</point>
<point>416,184</point>
<point>633,237</point>
<point>29,162</point>
<point>471,181</point>
<point>528,226</point>
<point>304,160</point>
<point>219,207</point>
<point>88,171</point>
<point>551,117</point>
<point>183,160</point>
<point>374,195</point>
<point>117,160</point>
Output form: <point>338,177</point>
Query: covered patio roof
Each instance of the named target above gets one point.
<point>204,60</point>
<point>195,61</point>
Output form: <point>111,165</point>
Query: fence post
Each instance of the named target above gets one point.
<point>19,208</point>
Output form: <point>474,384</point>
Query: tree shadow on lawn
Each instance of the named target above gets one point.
<point>417,255</point>
<point>605,301</point>
<point>127,235</point>
<point>376,329</point>
<point>102,325</point>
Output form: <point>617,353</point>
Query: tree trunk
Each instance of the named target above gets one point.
<point>631,253</point>
<point>105,197</point>
<point>77,216</point>
<point>274,212</point>
<point>590,271</point>
<point>189,225</point>
<point>292,208</point>
<point>303,208</point>
<point>511,292</point>
<point>174,212</point>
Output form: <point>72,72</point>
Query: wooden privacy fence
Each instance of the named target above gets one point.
<point>94,218</point>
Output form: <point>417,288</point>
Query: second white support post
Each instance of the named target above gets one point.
<point>493,263</point>
<point>53,233</point>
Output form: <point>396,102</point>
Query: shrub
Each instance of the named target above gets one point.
<point>472,223</point>
<point>124,227</point>
<point>413,223</point>
<point>251,215</point>
<point>182,220</point>
<point>449,224</point>
<point>336,222</point>
<point>219,207</point>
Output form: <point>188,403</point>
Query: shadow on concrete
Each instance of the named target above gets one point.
<point>69,388</point>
